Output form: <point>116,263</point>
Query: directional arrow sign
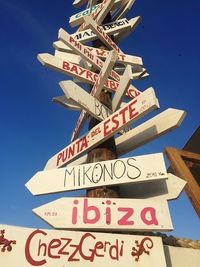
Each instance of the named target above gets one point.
<point>96,89</point>
<point>86,101</point>
<point>112,172</point>
<point>122,12</point>
<point>80,73</point>
<point>79,3</point>
<point>123,117</point>
<point>77,19</point>
<point>111,28</point>
<point>102,53</point>
<point>102,35</point>
<point>161,190</point>
<point>84,52</point>
<point>107,214</point>
<point>27,247</point>
<point>66,103</point>
<point>159,125</point>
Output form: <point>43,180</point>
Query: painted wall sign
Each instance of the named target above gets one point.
<point>113,172</point>
<point>80,73</point>
<point>52,248</point>
<point>86,101</point>
<point>101,34</point>
<point>84,52</point>
<point>111,28</point>
<point>96,90</point>
<point>77,19</point>
<point>167,189</point>
<point>102,53</point>
<point>106,214</point>
<point>123,117</point>
<point>159,125</point>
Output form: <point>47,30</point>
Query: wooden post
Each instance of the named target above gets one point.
<point>107,150</point>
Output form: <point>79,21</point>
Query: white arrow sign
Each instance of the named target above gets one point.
<point>96,90</point>
<point>79,3</point>
<point>161,190</point>
<point>84,52</point>
<point>122,12</point>
<point>66,103</point>
<point>112,172</point>
<point>80,73</point>
<point>102,35</point>
<point>86,101</point>
<point>102,53</point>
<point>26,247</point>
<point>107,214</point>
<point>123,117</point>
<point>159,125</point>
<point>77,19</point>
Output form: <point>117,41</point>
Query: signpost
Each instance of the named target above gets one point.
<point>106,214</point>
<point>111,172</point>
<point>51,248</point>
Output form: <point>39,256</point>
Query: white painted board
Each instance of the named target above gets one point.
<point>85,101</point>
<point>122,12</point>
<point>161,190</point>
<point>80,73</point>
<point>123,117</point>
<point>53,248</point>
<point>138,169</point>
<point>106,214</point>
<point>79,3</point>
<point>125,59</point>
<point>66,103</point>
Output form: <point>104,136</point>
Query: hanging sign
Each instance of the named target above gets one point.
<point>104,173</point>
<point>26,247</point>
<point>123,117</point>
<point>80,73</point>
<point>107,214</point>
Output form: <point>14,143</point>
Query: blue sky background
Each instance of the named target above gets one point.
<point>33,128</point>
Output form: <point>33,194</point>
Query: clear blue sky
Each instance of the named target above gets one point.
<point>33,128</point>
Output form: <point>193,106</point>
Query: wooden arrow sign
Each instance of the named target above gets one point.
<point>161,190</point>
<point>84,52</point>
<point>77,19</point>
<point>120,119</point>
<point>107,214</point>
<point>79,3</point>
<point>101,34</point>
<point>112,172</point>
<point>122,12</point>
<point>80,73</point>
<point>96,90</point>
<point>111,28</point>
<point>27,247</point>
<point>86,101</point>
<point>159,125</point>
<point>66,103</point>
<point>102,53</point>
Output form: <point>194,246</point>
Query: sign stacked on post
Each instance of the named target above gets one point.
<point>146,175</point>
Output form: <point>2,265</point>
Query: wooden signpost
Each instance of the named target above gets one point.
<point>66,103</point>
<point>106,214</point>
<point>122,12</point>
<point>112,172</point>
<point>126,115</point>
<point>26,247</point>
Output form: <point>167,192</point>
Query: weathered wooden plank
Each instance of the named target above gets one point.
<point>135,109</point>
<point>138,169</point>
<point>52,248</point>
<point>107,214</point>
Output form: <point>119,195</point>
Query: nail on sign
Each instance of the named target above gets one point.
<point>113,172</point>
<point>52,248</point>
<point>107,214</point>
